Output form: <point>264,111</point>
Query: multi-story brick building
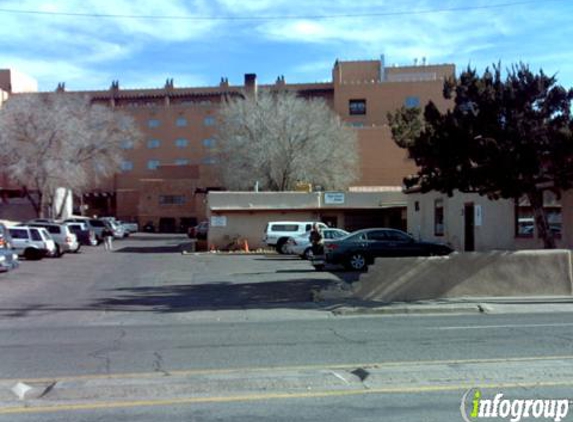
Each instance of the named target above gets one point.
<point>163,180</point>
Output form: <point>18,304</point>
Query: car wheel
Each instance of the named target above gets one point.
<point>32,254</point>
<point>78,249</point>
<point>58,253</point>
<point>307,254</point>
<point>282,247</point>
<point>356,262</point>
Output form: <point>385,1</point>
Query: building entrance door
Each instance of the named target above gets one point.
<point>469,227</point>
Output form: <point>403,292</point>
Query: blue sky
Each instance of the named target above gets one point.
<point>89,52</point>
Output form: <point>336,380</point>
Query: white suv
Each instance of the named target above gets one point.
<point>277,233</point>
<point>32,242</point>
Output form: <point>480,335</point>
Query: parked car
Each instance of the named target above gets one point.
<point>358,250</point>
<point>32,243</point>
<point>300,245</point>
<point>5,238</point>
<point>117,229</point>
<point>83,233</point>
<point>66,240</point>
<point>129,228</point>
<point>8,260</point>
<point>8,257</point>
<point>277,233</point>
<point>200,231</point>
<point>93,224</point>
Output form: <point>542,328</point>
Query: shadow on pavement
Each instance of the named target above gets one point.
<point>164,237</point>
<point>150,249</point>
<point>215,296</point>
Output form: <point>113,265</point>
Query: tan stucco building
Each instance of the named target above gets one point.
<point>471,222</point>
<point>245,215</point>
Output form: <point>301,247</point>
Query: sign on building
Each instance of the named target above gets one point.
<point>333,198</point>
<point>478,216</point>
<point>218,221</point>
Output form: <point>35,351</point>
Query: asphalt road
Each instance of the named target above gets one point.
<point>146,333</point>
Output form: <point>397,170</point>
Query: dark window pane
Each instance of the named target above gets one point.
<point>357,107</point>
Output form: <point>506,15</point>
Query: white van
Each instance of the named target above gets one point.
<point>277,233</point>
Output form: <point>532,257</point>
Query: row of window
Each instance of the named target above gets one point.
<point>127,165</point>
<point>357,107</point>
<point>179,143</point>
<point>181,122</point>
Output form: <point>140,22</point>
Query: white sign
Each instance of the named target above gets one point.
<point>333,198</point>
<point>218,221</point>
<point>478,216</point>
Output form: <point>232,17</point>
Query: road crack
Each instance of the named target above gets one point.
<point>158,364</point>
<point>348,339</point>
<point>103,353</point>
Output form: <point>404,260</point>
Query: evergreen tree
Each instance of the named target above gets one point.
<point>504,138</point>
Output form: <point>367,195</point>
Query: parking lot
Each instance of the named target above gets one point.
<point>148,273</point>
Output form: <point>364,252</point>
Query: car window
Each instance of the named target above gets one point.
<point>45,234</point>
<point>19,233</point>
<point>357,237</point>
<point>397,236</point>
<point>53,229</point>
<point>284,228</point>
<point>97,223</point>
<point>35,234</point>
<point>332,234</point>
<point>308,227</point>
<point>379,235</point>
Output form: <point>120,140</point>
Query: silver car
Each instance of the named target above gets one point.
<point>66,241</point>
<point>300,245</point>
<point>32,243</point>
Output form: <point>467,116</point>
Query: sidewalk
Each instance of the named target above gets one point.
<point>463,305</point>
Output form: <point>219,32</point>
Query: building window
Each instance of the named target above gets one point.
<point>357,107</point>
<point>127,144</point>
<point>181,122</point>
<point>153,143</point>
<point>209,121</point>
<point>126,165</point>
<point>412,101</point>
<point>153,123</point>
<point>181,143</point>
<point>209,160</point>
<point>525,220</point>
<point>209,143</point>
<point>439,217</point>
<point>153,164</point>
<point>171,200</point>
<point>182,162</point>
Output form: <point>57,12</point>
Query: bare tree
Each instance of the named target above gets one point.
<point>60,140</point>
<point>278,139</point>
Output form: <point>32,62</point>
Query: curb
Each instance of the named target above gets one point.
<point>411,310</point>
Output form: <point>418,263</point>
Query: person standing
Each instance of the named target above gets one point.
<point>107,235</point>
<point>316,240</point>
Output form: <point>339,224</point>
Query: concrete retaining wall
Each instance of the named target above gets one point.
<point>497,273</point>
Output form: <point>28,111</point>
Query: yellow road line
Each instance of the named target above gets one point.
<point>272,396</point>
<point>193,372</point>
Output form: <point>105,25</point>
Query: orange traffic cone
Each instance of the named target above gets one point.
<point>245,246</point>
